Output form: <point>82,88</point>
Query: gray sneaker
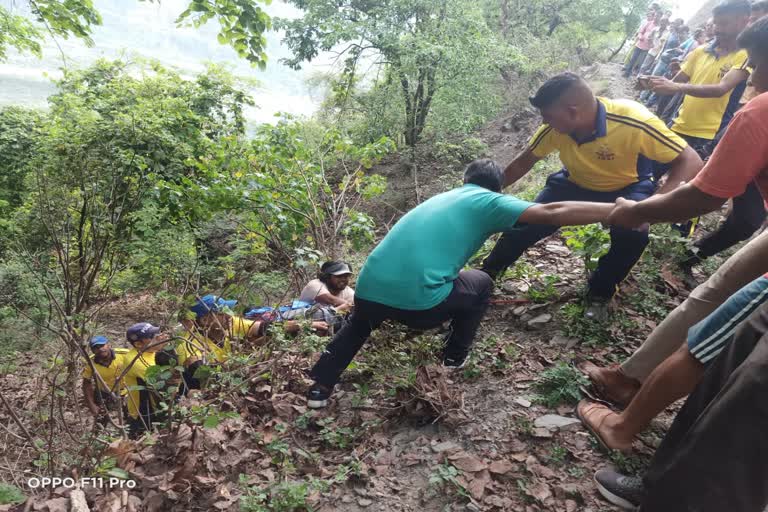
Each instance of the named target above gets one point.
<point>623,491</point>
<point>597,310</point>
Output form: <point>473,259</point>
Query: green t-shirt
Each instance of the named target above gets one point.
<point>415,265</point>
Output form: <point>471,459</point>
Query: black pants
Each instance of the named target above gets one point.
<point>627,245</point>
<point>713,458</point>
<point>746,217</point>
<point>464,307</point>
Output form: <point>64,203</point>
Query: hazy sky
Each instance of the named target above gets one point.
<point>148,29</point>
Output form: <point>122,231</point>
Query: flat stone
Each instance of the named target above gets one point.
<point>522,402</point>
<point>539,321</point>
<point>364,502</point>
<point>445,446</point>
<point>520,310</point>
<point>554,421</point>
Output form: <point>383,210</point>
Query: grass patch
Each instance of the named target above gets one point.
<point>559,384</point>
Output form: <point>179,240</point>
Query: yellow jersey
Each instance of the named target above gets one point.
<point>135,376</point>
<point>627,140</point>
<point>705,117</point>
<point>200,347</point>
<point>109,374</point>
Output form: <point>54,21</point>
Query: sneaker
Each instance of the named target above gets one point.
<point>455,362</point>
<point>318,396</point>
<point>623,491</point>
<point>597,310</point>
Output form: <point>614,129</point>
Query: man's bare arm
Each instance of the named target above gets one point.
<point>519,167</point>
<point>683,169</point>
<point>88,390</point>
<point>566,213</point>
<point>683,203</point>
<point>729,82</point>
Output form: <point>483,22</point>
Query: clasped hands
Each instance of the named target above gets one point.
<point>625,215</point>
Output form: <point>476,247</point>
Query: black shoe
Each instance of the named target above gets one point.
<point>597,309</point>
<point>455,362</point>
<point>623,491</point>
<point>318,395</point>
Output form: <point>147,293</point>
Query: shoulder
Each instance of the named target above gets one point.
<point>757,112</point>
<point>624,107</point>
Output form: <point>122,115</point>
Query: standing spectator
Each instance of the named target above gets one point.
<point>659,37</point>
<point>643,43</point>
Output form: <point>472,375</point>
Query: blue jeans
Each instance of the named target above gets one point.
<point>627,245</point>
<point>635,61</point>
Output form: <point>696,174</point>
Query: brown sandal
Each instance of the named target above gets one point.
<point>604,390</point>
<point>584,410</point>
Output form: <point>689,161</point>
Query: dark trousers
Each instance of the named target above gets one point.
<point>746,217</point>
<point>635,61</point>
<point>627,245</point>
<point>464,307</point>
<point>713,458</point>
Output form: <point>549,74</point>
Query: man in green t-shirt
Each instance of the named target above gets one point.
<point>415,277</point>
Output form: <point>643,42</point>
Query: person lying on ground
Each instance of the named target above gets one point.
<point>712,459</point>
<point>414,275</point>
<point>331,287</point>
<point>146,342</point>
<point>607,148</point>
<point>100,389</point>
<point>677,376</point>
<point>740,159</point>
<point>209,328</point>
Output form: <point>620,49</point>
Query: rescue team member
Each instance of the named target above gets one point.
<point>608,149</point>
<point>713,79</point>
<point>414,275</point>
<point>208,335</point>
<point>101,392</point>
<point>142,402</point>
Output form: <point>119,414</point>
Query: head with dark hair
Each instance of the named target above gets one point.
<point>335,275</point>
<point>755,40</point>
<point>485,173</point>
<point>759,9</point>
<point>566,103</point>
<point>730,18</point>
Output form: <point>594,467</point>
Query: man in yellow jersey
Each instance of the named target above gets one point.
<point>713,79</point>
<point>100,390</point>
<point>142,401</point>
<point>608,149</point>
<point>209,333</point>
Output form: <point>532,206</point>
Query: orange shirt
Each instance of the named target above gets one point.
<point>741,156</point>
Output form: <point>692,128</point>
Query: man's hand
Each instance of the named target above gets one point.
<point>344,308</point>
<point>624,215</point>
<point>664,86</point>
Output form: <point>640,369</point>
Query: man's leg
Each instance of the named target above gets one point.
<point>627,245</point>
<point>516,241</point>
<point>467,305</point>
<point>746,217</point>
<point>678,375</point>
<point>366,317</point>
<point>621,383</point>
<point>713,457</point>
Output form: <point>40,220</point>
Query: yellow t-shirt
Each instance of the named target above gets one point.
<point>704,117</point>
<point>135,376</point>
<point>200,347</point>
<point>628,139</point>
<point>108,373</point>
